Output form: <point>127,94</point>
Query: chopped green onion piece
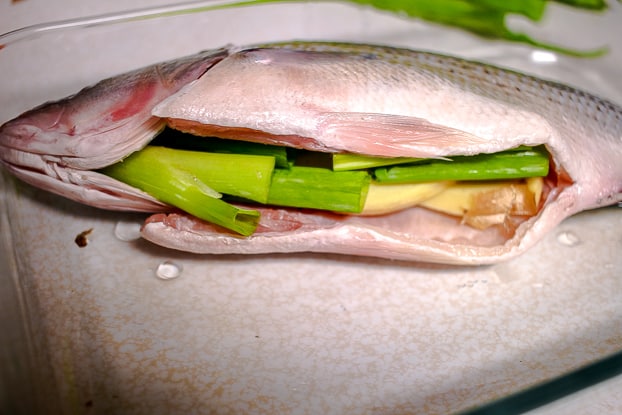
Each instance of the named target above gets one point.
<point>182,141</point>
<point>193,200</point>
<point>192,181</point>
<point>512,164</point>
<point>350,161</point>
<point>318,188</point>
<point>245,176</point>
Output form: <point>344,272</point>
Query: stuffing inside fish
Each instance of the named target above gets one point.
<point>334,98</point>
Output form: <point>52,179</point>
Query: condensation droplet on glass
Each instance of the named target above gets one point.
<point>168,270</point>
<point>568,238</point>
<point>127,231</point>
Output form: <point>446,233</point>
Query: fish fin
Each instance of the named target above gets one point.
<point>393,135</point>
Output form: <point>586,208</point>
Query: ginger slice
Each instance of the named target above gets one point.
<point>387,198</point>
<point>484,204</point>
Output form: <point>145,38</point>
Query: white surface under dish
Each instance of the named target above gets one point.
<point>105,329</point>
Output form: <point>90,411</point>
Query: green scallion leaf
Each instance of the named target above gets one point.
<point>350,161</point>
<point>485,18</point>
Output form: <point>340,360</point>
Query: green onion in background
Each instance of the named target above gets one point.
<point>485,18</point>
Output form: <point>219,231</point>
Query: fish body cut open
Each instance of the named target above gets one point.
<point>329,97</point>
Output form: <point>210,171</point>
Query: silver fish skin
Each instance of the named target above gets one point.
<point>372,100</point>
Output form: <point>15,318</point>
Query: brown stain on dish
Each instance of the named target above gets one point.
<point>82,238</point>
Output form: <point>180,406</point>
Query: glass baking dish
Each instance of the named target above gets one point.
<point>122,326</point>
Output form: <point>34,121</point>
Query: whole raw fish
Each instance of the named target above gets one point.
<point>329,97</point>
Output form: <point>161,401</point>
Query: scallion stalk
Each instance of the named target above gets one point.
<point>350,161</point>
<point>176,139</point>
<point>319,188</point>
<point>192,182</point>
<point>511,164</point>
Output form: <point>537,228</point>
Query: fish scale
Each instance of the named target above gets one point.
<point>484,79</point>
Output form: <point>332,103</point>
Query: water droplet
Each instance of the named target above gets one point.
<point>127,231</point>
<point>568,238</point>
<point>168,270</point>
<point>539,56</point>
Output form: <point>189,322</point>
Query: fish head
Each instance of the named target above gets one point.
<point>60,145</point>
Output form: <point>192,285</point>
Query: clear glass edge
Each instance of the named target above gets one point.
<point>168,10</point>
<point>536,396</point>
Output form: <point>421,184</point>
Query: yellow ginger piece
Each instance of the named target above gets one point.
<point>483,204</point>
<point>387,198</point>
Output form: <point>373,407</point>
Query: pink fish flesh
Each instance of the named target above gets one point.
<point>328,97</point>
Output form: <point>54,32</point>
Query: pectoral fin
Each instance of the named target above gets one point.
<point>393,135</point>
